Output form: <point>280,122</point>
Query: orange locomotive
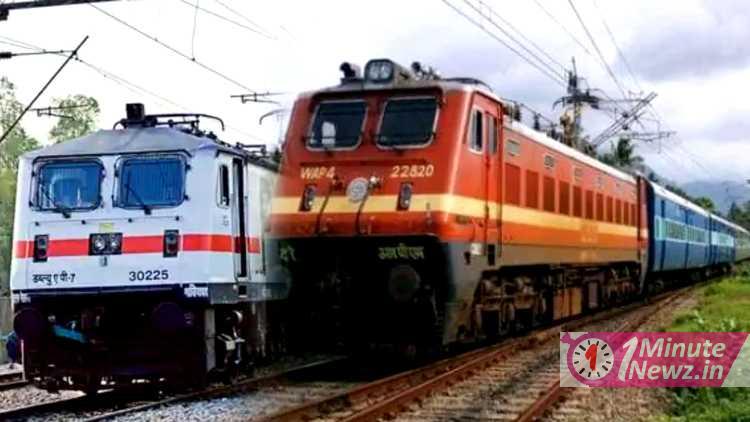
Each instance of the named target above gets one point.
<point>413,210</point>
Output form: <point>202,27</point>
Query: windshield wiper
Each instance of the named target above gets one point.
<point>412,140</point>
<point>57,207</point>
<point>146,209</point>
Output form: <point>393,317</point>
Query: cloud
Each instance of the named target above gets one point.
<point>694,45</point>
<point>733,127</point>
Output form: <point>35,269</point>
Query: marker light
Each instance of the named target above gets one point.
<point>41,243</point>
<point>308,197</point>
<point>404,196</point>
<point>171,243</point>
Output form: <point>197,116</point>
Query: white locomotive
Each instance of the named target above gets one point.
<point>139,254</point>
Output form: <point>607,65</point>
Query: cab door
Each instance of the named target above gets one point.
<point>239,219</point>
<point>492,183</point>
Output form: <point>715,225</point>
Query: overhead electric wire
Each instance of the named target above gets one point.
<point>226,19</point>
<point>173,49</point>
<point>598,51</point>
<point>489,19</point>
<point>522,35</point>
<point>137,89</point>
<point>617,47</point>
<point>12,44</point>
<point>544,71</point>
<point>243,17</point>
<point>564,28</point>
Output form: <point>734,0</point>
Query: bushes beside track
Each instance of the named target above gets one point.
<point>723,306</point>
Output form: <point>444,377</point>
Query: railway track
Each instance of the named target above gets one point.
<point>109,404</point>
<point>553,393</point>
<point>388,397</point>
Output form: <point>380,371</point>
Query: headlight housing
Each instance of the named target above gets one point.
<point>308,197</point>
<point>380,71</point>
<point>404,196</point>
<point>105,244</point>
<point>41,245</point>
<point>171,243</point>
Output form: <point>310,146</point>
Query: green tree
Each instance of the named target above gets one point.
<point>622,155</point>
<point>705,203</point>
<point>80,114</point>
<point>15,144</point>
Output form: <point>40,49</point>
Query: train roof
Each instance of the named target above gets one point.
<point>568,151</point>
<point>127,141</point>
<point>727,223</point>
<point>143,140</point>
<point>662,191</point>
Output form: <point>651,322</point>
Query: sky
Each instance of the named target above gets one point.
<point>693,54</point>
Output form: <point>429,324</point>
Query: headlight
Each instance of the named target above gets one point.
<point>308,197</point>
<point>105,244</point>
<point>98,243</point>
<point>115,242</point>
<point>379,70</point>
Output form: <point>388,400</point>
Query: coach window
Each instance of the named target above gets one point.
<point>477,131</point>
<point>224,196</point>
<point>610,210</point>
<point>513,148</point>
<point>337,125</point>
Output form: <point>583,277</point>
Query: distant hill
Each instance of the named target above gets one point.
<point>723,193</point>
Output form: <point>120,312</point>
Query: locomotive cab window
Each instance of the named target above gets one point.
<point>476,137</point>
<point>151,182</point>
<point>337,125</point>
<point>407,122</point>
<point>68,186</point>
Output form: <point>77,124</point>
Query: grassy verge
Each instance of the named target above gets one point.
<point>723,306</point>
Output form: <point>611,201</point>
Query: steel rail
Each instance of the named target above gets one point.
<point>388,396</point>
<point>113,397</point>
<point>554,393</point>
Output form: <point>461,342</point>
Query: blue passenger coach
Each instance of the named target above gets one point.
<point>722,251</point>
<point>741,243</point>
<point>680,232</point>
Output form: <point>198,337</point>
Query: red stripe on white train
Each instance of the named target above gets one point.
<point>142,245</point>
